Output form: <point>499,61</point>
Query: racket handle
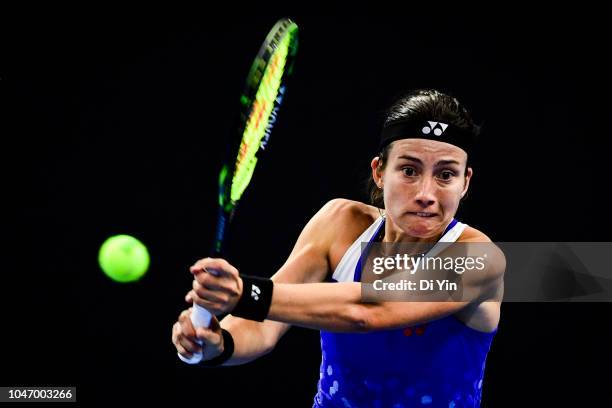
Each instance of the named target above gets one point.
<point>200,317</point>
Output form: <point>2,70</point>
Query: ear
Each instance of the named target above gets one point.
<point>468,176</point>
<point>377,171</point>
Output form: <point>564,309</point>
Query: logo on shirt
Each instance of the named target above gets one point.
<point>419,330</point>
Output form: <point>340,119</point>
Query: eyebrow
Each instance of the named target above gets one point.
<point>440,163</point>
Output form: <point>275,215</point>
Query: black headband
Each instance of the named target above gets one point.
<point>427,129</point>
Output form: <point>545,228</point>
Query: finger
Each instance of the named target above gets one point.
<point>187,328</point>
<point>215,266</point>
<point>203,277</point>
<point>202,264</point>
<point>176,330</point>
<point>211,295</point>
<point>214,272</point>
<point>226,284</point>
<point>181,350</point>
<point>184,314</point>
<point>209,337</point>
<point>198,271</point>
<point>196,268</point>
<point>189,345</point>
<point>222,266</point>
<point>211,278</point>
<point>190,297</point>
<point>213,308</point>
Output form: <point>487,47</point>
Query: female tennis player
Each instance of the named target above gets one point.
<point>374,354</point>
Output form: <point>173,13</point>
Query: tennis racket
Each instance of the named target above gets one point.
<point>264,92</point>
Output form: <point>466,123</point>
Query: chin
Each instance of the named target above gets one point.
<point>422,229</point>
<point>420,232</point>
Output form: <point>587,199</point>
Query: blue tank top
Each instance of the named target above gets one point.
<point>437,364</point>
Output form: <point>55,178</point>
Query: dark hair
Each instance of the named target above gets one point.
<point>422,104</point>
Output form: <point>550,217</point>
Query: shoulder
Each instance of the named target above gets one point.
<point>484,244</point>
<point>325,238</point>
<point>340,216</point>
<point>341,219</point>
<point>341,209</point>
<point>480,245</point>
<point>340,222</point>
<point>471,234</point>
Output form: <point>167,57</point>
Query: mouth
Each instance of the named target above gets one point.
<point>423,214</point>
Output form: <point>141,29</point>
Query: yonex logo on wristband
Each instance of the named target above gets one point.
<point>255,291</point>
<point>257,305</point>
<point>437,127</point>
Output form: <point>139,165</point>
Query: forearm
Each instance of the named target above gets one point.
<point>338,307</point>
<point>251,339</point>
<point>322,306</point>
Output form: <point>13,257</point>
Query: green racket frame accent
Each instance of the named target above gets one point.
<point>260,101</point>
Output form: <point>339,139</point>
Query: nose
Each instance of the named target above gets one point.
<point>425,193</point>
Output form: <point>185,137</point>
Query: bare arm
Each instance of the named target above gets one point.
<point>307,263</point>
<point>254,339</point>
<point>338,306</point>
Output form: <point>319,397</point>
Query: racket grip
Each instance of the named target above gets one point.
<point>200,317</point>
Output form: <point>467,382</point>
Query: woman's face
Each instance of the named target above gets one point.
<point>423,183</point>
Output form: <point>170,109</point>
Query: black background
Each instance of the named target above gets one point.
<point>115,124</point>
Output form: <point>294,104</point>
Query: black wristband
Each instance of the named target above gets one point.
<point>254,303</point>
<point>228,351</point>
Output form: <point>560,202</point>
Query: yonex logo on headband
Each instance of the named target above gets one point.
<point>438,128</point>
<point>427,129</point>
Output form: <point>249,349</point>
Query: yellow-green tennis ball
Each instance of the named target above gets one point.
<point>123,258</point>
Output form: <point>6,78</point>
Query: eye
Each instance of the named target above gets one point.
<point>447,175</point>
<point>409,171</point>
